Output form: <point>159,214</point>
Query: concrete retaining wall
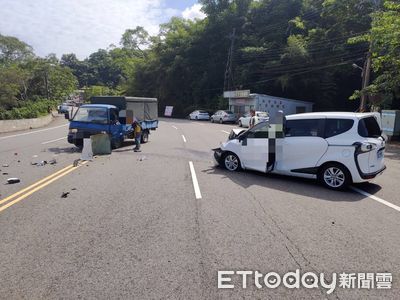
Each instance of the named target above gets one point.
<point>24,124</point>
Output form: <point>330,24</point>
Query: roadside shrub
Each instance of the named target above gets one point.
<point>28,110</point>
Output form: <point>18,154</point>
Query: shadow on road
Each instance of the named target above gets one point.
<point>293,185</point>
<point>393,151</point>
<point>59,150</point>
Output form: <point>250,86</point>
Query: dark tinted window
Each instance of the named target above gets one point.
<point>310,127</point>
<point>202,111</point>
<point>260,131</point>
<point>369,127</point>
<point>337,126</point>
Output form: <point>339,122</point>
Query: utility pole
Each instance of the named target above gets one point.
<point>228,80</point>
<point>366,74</point>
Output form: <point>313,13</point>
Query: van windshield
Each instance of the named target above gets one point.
<point>369,127</point>
<point>91,115</point>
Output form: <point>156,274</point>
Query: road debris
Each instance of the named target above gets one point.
<point>76,162</point>
<point>53,162</point>
<point>39,164</point>
<point>64,194</point>
<point>142,158</point>
<point>5,173</point>
<point>6,165</point>
<point>13,180</point>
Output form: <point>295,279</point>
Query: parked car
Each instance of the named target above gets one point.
<point>63,108</point>
<point>199,115</point>
<point>337,149</point>
<point>223,116</point>
<point>260,116</point>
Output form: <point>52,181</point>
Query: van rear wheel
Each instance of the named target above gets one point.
<point>334,176</point>
<point>145,137</point>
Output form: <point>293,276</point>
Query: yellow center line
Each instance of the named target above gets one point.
<point>66,170</point>
<point>34,184</point>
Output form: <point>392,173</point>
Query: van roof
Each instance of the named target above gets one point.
<point>316,115</point>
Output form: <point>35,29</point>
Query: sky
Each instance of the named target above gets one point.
<point>84,26</point>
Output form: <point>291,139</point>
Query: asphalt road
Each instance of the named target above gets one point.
<point>134,227</point>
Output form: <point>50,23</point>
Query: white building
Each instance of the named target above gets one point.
<point>241,102</point>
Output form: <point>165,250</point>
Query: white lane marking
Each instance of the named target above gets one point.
<point>31,132</point>
<point>174,127</point>
<point>183,137</point>
<point>225,131</point>
<point>56,140</point>
<point>384,202</point>
<point>194,180</point>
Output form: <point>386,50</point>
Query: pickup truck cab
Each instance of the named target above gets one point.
<point>115,120</point>
<point>335,148</point>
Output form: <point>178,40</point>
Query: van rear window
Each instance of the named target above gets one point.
<point>335,127</point>
<point>369,127</point>
<point>304,127</point>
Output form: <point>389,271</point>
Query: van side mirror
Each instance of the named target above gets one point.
<point>66,115</point>
<point>242,137</point>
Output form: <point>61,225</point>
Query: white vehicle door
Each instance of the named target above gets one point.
<point>246,120</point>
<point>254,148</point>
<point>303,146</point>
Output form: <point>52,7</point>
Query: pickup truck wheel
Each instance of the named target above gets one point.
<point>145,137</point>
<point>231,162</point>
<point>212,120</point>
<point>334,176</point>
<point>240,124</point>
<point>220,121</point>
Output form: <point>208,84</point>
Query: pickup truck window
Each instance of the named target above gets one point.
<point>96,115</point>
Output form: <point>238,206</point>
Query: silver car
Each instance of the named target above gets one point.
<point>199,115</point>
<point>223,116</point>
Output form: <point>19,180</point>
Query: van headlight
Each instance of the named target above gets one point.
<point>73,130</point>
<point>366,147</point>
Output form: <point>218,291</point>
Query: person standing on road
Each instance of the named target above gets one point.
<point>252,122</point>
<point>137,132</point>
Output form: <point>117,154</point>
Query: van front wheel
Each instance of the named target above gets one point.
<point>334,176</point>
<point>231,162</point>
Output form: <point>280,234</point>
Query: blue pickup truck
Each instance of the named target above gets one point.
<point>114,116</point>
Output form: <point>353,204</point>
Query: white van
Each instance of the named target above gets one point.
<point>337,148</point>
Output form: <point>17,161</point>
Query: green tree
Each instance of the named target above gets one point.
<point>13,50</point>
<point>136,40</point>
<point>385,47</point>
<point>11,79</point>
